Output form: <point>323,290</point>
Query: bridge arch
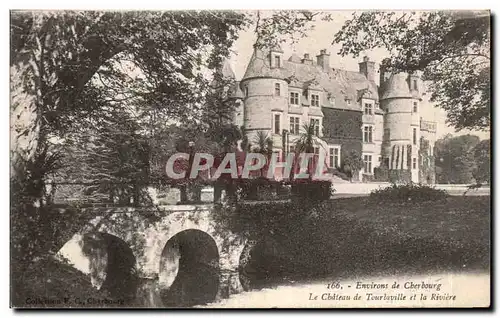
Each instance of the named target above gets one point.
<point>189,269</point>
<point>107,259</point>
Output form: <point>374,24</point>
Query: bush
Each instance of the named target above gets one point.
<point>396,175</point>
<point>407,193</point>
<point>381,174</point>
<point>341,175</point>
<point>312,190</point>
<point>368,178</point>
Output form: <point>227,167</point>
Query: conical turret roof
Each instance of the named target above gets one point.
<point>397,87</point>
<point>226,71</point>
<point>260,66</point>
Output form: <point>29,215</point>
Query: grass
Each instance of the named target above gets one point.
<point>352,237</point>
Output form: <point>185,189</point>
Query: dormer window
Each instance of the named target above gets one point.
<point>277,61</point>
<point>315,100</point>
<point>294,98</point>
<point>368,109</point>
<point>348,101</point>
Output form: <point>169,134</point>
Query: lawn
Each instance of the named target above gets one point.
<point>354,237</point>
<point>451,235</point>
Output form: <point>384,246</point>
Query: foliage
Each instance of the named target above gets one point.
<point>455,158</point>
<point>400,176</point>
<point>276,27</point>
<point>352,163</point>
<point>300,241</point>
<point>312,190</point>
<point>404,193</point>
<point>307,139</point>
<point>263,143</point>
<point>451,48</point>
<point>482,156</point>
<point>111,160</point>
<point>96,85</point>
<point>381,173</point>
<point>54,281</point>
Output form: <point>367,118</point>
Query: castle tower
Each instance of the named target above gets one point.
<point>266,96</point>
<point>400,139</point>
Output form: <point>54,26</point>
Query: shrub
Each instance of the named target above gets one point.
<point>368,177</point>
<point>312,190</point>
<point>410,192</point>
<point>381,174</point>
<point>341,175</point>
<point>396,175</point>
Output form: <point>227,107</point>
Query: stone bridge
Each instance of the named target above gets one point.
<point>176,256</point>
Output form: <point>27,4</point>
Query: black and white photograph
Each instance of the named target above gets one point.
<point>250,159</point>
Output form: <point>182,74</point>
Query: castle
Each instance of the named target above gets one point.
<point>351,113</point>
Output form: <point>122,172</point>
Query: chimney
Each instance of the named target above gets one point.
<point>367,68</point>
<point>323,59</point>
<point>307,59</point>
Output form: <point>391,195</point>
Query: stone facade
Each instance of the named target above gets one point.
<point>278,96</point>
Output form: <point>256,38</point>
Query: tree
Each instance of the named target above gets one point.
<point>451,48</point>
<point>264,143</point>
<point>352,163</point>
<point>482,155</point>
<point>71,69</point>
<point>307,141</point>
<point>69,72</point>
<point>455,158</point>
<point>111,161</point>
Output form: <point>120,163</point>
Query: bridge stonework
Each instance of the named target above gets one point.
<point>158,242</point>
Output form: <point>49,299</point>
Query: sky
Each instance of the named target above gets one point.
<point>321,38</point>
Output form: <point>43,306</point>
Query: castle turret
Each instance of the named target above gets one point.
<point>400,140</point>
<point>265,90</point>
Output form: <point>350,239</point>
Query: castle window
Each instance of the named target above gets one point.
<point>414,163</point>
<point>315,123</point>
<point>294,98</point>
<point>294,125</point>
<point>314,100</point>
<point>277,61</point>
<point>368,109</point>
<point>367,163</point>
<point>277,89</point>
<point>291,149</point>
<point>348,101</point>
<point>246,91</point>
<point>316,150</point>
<point>334,157</point>
<point>368,134</point>
<point>414,136</point>
<point>277,124</point>
<point>415,107</point>
<point>415,84</point>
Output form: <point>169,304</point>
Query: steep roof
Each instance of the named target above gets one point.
<point>397,87</point>
<point>226,70</point>
<point>341,85</point>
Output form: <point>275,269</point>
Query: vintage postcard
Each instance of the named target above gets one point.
<point>250,159</point>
